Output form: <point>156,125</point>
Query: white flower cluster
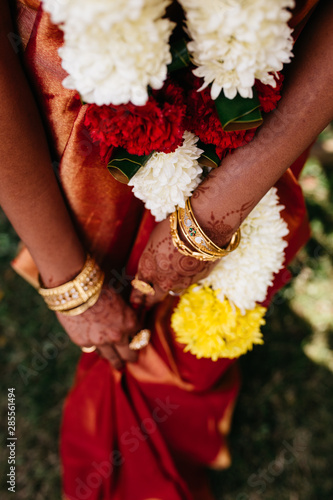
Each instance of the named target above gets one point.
<point>236,41</point>
<point>113,50</point>
<point>167,180</point>
<point>244,276</point>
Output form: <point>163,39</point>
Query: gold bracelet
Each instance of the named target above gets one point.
<point>193,235</point>
<point>84,307</point>
<point>198,238</point>
<point>181,247</point>
<point>87,284</point>
<point>233,243</point>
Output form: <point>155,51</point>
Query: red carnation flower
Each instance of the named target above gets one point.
<point>202,118</point>
<point>268,95</point>
<point>156,126</point>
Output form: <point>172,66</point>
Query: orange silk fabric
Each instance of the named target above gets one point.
<point>145,432</point>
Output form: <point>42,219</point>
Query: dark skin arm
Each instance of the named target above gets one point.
<point>30,196</point>
<point>231,191</point>
<point>228,195</point>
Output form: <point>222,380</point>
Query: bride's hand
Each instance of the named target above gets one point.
<point>165,268</point>
<point>106,325</point>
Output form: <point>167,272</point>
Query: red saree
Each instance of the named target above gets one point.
<point>143,433</point>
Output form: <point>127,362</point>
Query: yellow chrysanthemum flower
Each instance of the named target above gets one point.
<point>214,329</point>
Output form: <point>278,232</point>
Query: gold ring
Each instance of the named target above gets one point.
<point>140,340</point>
<point>142,286</point>
<point>89,349</point>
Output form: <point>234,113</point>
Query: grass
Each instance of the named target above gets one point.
<point>282,438</point>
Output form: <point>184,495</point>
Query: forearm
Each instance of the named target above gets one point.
<point>230,192</point>
<point>29,193</point>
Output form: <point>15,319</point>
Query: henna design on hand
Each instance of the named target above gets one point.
<point>221,230</point>
<point>107,321</point>
<point>163,265</point>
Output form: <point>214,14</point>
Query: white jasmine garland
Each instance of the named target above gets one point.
<point>167,180</point>
<point>113,52</point>
<point>244,276</point>
<point>236,41</point>
<point>82,12</point>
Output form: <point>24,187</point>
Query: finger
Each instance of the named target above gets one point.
<point>108,352</point>
<point>151,300</point>
<point>139,299</point>
<point>124,352</point>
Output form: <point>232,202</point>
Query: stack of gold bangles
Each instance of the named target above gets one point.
<point>205,248</point>
<point>78,295</point>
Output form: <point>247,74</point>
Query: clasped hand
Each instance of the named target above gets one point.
<point>110,322</point>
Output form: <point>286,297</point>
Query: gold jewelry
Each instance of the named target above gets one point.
<point>142,286</point>
<point>77,292</point>
<point>83,307</point>
<point>193,234</point>
<point>89,349</point>
<point>198,239</point>
<point>181,247</point>
<point>140,340</point>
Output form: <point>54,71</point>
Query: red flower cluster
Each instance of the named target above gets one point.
<point>269,96</point>
<point>202,118</point>
<point>156,126</point>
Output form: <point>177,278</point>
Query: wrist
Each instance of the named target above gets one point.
<point>218,230</point>
<point>77,295</point>
<point>61,264</point>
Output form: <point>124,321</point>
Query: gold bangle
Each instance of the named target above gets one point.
<point>76,292</point>
<point>193,233</point>
<point>198,238</point>
<point>181,247</point>
<point>196,241</point>
<point>83,307</point>
<point>233,243</point>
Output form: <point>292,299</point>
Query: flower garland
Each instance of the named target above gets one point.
<point>168,179</point>
<point>220,317</point>
<point>117,58</point>
<point>211,328</point>
<point>245,275</point>
<point>234,42</point>
<point>140,130</point>
<point>112,53</point>
<point>202,118</point>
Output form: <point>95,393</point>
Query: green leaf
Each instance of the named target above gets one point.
<point>209,157</point>
<point>124,165</point>
<point>180,56</point>
<point>239,113</point>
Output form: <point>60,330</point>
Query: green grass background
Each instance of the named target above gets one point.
<point>286,399</point>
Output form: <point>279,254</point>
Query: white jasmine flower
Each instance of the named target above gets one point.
<point>113,52</point>
<point>236,41</point>
<point>244,276</point>
<point>167,180</point>
<point>83,12</point>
